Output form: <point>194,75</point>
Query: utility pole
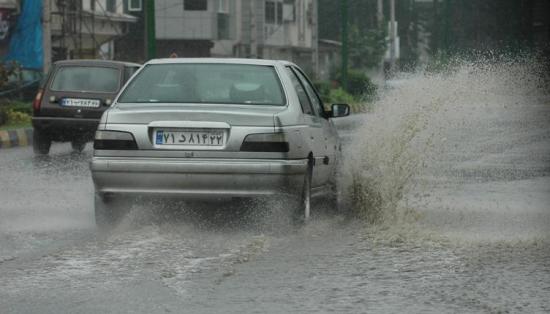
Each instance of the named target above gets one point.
<point>392,35</point>
<point>380,21</point>
<point>46,35</point>
<point>380,13</point>
<point>446,25</point>
<point>315,38</point>
<point>253,30</point>
<point>151,47</point>
<point>344,17</point>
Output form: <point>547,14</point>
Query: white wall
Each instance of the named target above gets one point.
<point>99,4</point>
<point>173,22</point>
<point>297,33</point>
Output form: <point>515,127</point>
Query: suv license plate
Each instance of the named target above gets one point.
<point>75,102</point>
<point>190,137</point>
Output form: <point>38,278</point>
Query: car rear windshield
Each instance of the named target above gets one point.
<point>86,79</point>
<point>205,83</point>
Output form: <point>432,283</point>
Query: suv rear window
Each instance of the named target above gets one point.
<point>205,83</point>
<point>86,79</point>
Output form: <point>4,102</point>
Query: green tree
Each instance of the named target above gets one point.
<point>367,47</point>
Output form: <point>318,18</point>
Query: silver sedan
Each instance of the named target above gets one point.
<point>216,128</point>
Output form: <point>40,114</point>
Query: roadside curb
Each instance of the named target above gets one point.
<point>15,137</point>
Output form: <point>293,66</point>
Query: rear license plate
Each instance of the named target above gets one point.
<point>190,137</point>
<point>75,102</point>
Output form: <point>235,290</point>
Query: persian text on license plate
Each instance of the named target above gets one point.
<point>75,102</point>
<point>190,137</point>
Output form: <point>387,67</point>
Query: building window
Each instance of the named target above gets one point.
<point>110,6</point>
<point>270,12</point>
<point>92,5</point>
<point>134,5</point>
<point>223,6</point>
<point>223,26</point>
<point>289,11</point>
<point>279,13</point>
<point>273,12</point>
<point>195,5</point>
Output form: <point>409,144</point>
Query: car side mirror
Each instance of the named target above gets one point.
<point>339,110</point>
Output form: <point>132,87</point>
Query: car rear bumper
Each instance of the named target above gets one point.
<point>63,127</point>
<point>197,178</point>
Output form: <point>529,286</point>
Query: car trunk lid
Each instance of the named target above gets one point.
<point>80,91</point>
<point>191,127</point>
<point>75,104</point>
<point>239,115</point>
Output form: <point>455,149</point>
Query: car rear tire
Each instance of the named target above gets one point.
<point>303,209</point>
<point>78,146</point>
<point>41,143</point>
<point>107,212</point>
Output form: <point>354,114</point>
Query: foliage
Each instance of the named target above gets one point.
<point>15,113</point>
<point>16,117</point>
<point>19,106</point>
<point>359,84</point>
<point>340,96</point>
<point>366,47</point>
<point>427,28</point>
<point>323,87</point>
<point>360,89</point>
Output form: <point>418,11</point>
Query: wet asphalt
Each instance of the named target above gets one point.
<point>480,244</point>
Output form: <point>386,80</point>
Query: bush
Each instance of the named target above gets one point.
<point>22,107</point>
<point>15,113</point>
<point>360,85</point>
<point>323,87</point>
<point>340,96</point>
<point>16,117</point>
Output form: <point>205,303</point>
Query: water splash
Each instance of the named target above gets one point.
<point>422,131</point>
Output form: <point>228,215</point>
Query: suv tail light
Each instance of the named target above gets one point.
<point>38,100</point>
<point>265,142</point>
<point>114,140</point>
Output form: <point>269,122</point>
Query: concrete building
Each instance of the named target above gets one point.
<point>271,29</point>
<point>87,28</point>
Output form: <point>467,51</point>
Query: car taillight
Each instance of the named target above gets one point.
<point>38,100</point>
<point>265,142</point>
<point>114,140</point>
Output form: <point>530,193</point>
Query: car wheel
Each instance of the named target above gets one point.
<point>40,142</point>
<point>107,213</point>
<point>303,208</point>
<point>78,146</point>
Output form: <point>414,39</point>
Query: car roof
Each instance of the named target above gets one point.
<point>220,60</point>
<point>95,62</point>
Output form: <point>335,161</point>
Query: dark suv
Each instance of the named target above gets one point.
<point>72,99</point>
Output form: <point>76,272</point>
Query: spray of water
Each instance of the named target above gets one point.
<point>429,122</point>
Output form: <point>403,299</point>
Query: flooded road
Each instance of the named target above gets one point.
<point>451,177</point>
